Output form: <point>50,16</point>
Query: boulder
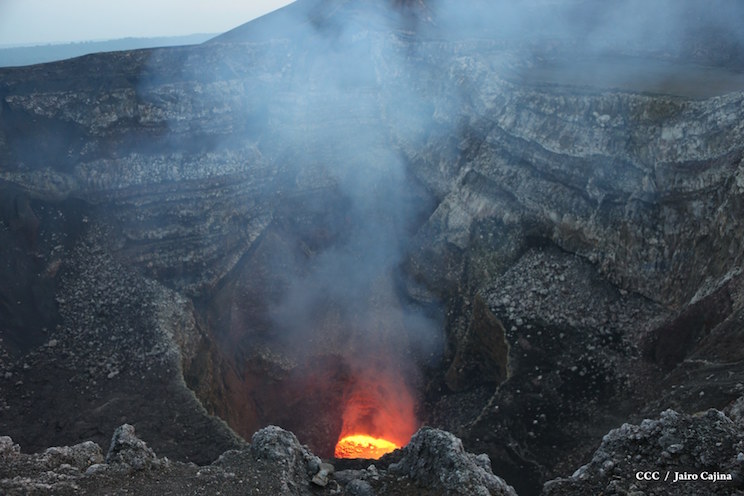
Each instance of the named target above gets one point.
<point>436,459</point>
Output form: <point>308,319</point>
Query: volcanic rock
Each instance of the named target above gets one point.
<point>275,463</point>
<point>736,412</point>
<point>125,345</point>
<point>359,487</point>
<point>436,460</point>
<point>689,455</point>
<point>321,477</point>
<point>534,255</point>
<point>129,451</point>
<point>53,471</point>
<point>284,451</point>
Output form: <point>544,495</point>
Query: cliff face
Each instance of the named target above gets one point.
<point>644,186</point>
<point>608,175</point>
<point>538,248</point>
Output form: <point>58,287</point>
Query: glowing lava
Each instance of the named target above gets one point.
<point>363,446</point>
<point>378,416</point>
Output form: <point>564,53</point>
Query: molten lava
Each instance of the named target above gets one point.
<point>363,446</point>
<point>378,417</point>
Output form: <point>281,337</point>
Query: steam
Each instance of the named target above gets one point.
<point>340,105</point>
<point>634,45</point>
<point>362,70</point>
<point>654,27</point>
<point>349,293</point>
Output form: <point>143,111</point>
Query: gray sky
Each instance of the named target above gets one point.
<point>45,21</point>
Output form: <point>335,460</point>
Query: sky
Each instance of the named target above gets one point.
<point>29,22</point>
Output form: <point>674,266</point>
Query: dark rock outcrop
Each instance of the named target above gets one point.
<point>674,454</point>
<point>436,459</point>
<point>129,451</point>
<point>275,463</point>
<point>54,471</point>
<point>292,463</point>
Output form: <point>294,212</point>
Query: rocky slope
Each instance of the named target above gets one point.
<point>274,463</point>
<point>676,453</point>
<point>655,457</point>
<point>535,256</point>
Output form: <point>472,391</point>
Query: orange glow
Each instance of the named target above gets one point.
<point>378,416</point>
<point>363,446</point>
